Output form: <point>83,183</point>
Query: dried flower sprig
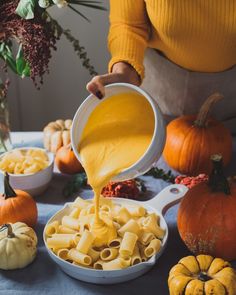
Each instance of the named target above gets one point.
<point>29,24</point>
<point>3,89</point>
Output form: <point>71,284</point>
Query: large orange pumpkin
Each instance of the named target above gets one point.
<point>17,206</point>
<point>191,140</point>
<point>66,160</point>
<point>207,216</point>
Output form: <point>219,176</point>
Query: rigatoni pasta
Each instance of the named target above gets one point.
<point>71,222</point>
<point>79,257</point>
<point>153,248</point>
<point>66,230</point>
<point>150,225</point>
<point>123,216</point>
<point>118,263</point>
<point>128,243</point>
<point>85,242</point>
<point>94,254</point>
<point>131,226</point>
<point>136,257</point>
<point>99,264</point>
<point>115,243</point>
<point>123,236</point>
<point>109,254</point>
<point>62,253</point>
<point>146,237</point>
<point>52,228</point>
<point>136,211</point>
<point>58,241</point>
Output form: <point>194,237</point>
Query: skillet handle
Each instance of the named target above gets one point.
<point>168,197</point>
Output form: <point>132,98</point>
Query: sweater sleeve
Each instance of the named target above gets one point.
<point>128,34</point>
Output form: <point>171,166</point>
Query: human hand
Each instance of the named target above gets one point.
<point>121,72</point>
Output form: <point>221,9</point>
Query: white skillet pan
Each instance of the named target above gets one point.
<point>159,204</point>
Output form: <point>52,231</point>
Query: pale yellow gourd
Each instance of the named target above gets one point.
<point>56,134</point>
<point>18,245</point>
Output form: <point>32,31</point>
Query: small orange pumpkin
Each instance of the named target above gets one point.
<point>66,160</point>
<point>207,214</point>
<point>17,206</point>
<point>191,140</point>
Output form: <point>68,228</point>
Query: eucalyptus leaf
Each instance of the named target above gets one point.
<point>25,8</point>
<point>22,66</point>
<point>7,56</point>
<point>26,71</point>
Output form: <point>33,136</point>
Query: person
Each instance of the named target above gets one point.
<point>178,51</point>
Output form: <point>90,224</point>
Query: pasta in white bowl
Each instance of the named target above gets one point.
<point>30,168</point>
<point>141,236</point>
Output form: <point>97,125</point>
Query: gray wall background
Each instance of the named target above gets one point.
<point>65,87</point>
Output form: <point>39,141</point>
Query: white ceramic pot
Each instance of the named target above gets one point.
<point>156,146</point>
<point>159,204</point>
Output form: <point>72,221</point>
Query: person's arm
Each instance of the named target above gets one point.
<point>127,41</point>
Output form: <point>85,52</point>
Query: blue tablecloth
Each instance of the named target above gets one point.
<point>43,276</point>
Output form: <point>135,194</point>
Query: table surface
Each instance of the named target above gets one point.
<point>43,276</point>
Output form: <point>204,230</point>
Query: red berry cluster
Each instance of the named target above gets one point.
<point>191,181</point>
<point>123,189</point>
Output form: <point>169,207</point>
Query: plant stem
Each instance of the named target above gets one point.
<point>2,142</point>
<point>7,226</point>
<point>205,109</point>
<point>204,277</point>
<point>217,180</point>
<point>8,190</point>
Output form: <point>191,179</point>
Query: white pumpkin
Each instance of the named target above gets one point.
<point>57,134</point>
<point>18,245</point>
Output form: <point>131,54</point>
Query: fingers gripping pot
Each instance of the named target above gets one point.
<point>156,146</point>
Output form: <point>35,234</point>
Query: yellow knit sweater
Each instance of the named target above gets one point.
<point>199,35</point>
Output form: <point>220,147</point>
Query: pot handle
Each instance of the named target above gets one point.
<point>168,197</point>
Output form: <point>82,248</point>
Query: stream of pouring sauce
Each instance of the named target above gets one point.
<point>116,135</point>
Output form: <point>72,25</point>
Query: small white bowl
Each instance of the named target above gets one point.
<point>33,183</point>
<point>156,146</point>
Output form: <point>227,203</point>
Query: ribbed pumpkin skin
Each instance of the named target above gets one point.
<point>207,221</point>
<point>202,275</point>
<point>66,161</point>
<point>21,208</point>
<point>188,148</point>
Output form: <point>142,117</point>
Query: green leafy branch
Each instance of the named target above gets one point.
<point>17,64</point>
<point>26,8</point>
<point>77,182</point>
<point>79,50</point>
<point>161,174</point>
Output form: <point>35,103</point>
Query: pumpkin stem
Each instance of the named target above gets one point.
<point>205,109</point>
<point>217,180</point>
<point>7,226</point>
<point>203,277</point>
<point>8,190</point>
